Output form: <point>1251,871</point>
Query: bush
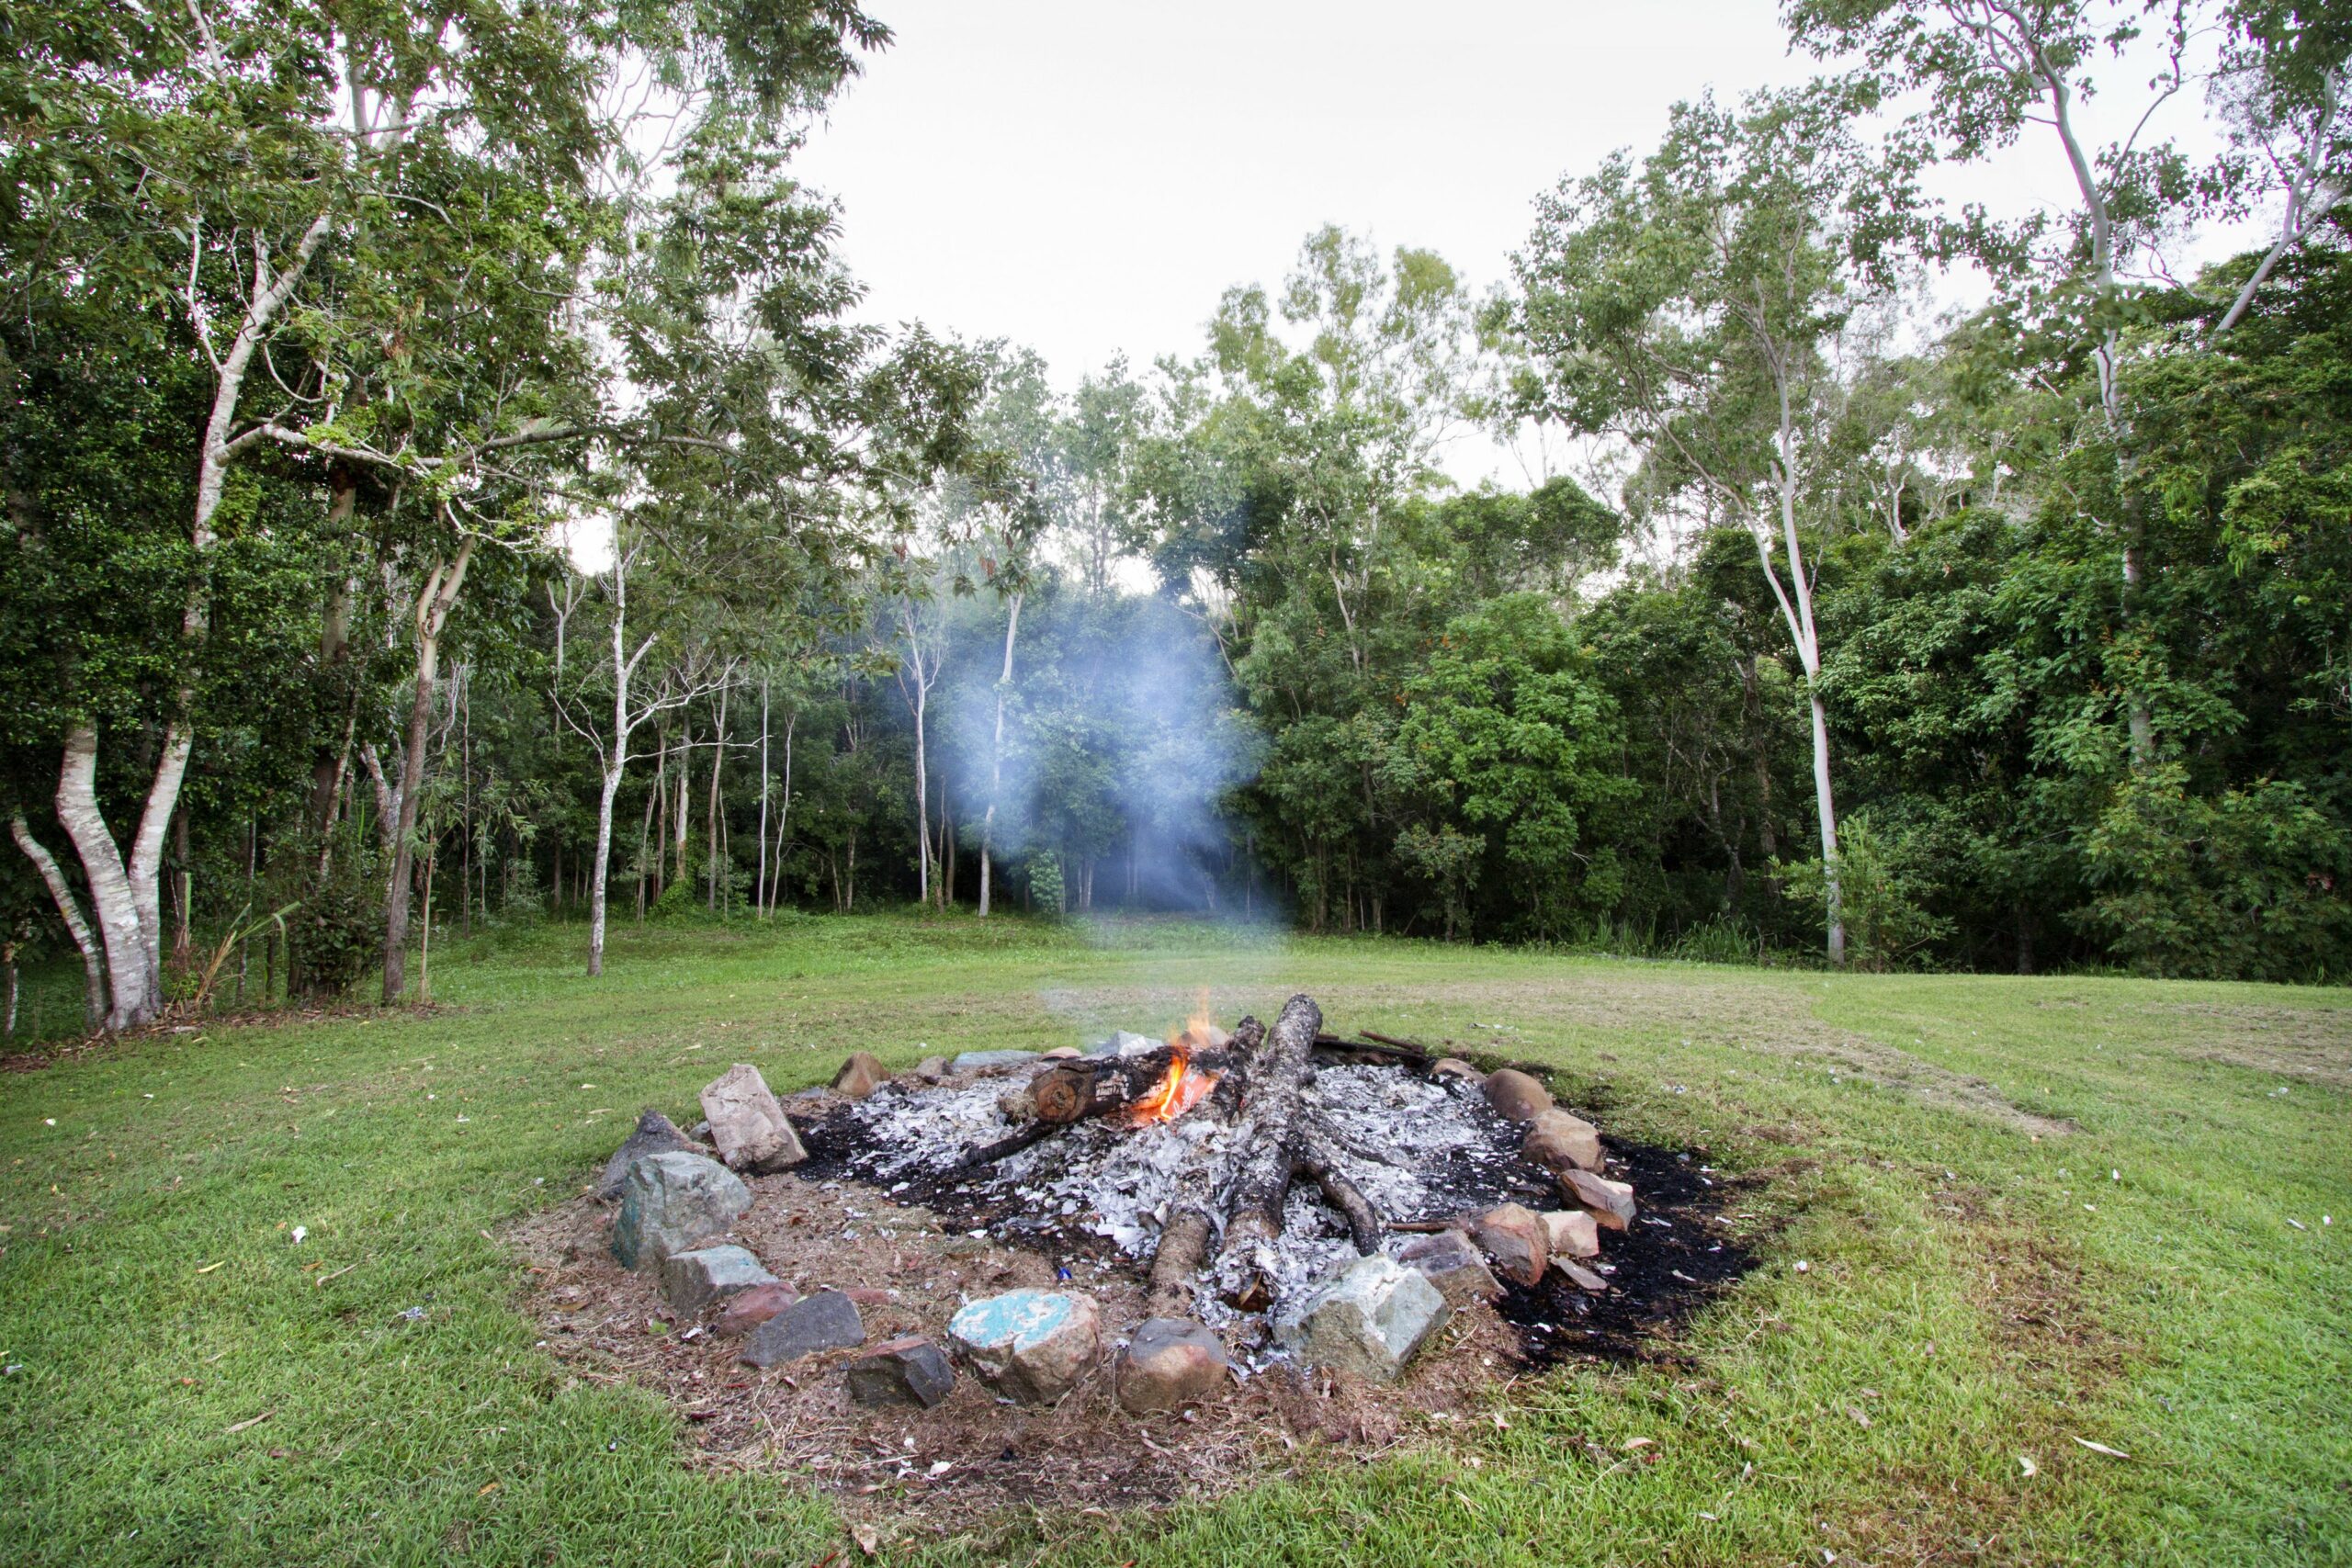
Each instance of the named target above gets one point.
<point>337,933</point>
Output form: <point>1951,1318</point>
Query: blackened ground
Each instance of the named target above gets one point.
<point>1680,1252</point>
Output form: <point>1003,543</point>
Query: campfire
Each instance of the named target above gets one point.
<point>1039,1252</point>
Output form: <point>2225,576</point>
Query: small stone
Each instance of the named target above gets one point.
<point>868,1295</point>
<point>1170,1362</point>
<point>1611,1202</point>
<point>931,1069</point>
<point>861,1074</point>
<point>1061,1053</point>
<point>826,1321</point>
<point>674,1202</point>
<point>655,1135</point>
<point>749,1309</point>
<point>1572,1234</point>
<point>1030,1345</point>
<point>1455,1067</point>
<point>746,1124</point>
<point>1517,1096</point>
<point>980,1061</point>
<point>1368,1317</point>
<point>1558,1141</point>
<point>1582,1277</point>
<point>1125,1043</point>
<point>1515,1239</point>
<point>691,1281</point>
<point>903,1372</point>
<point>1454,1266</point>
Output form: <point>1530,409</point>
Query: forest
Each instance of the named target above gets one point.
<point>450,484</point>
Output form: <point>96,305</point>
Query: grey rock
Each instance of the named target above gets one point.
<point>1456,1267</point>
<point>1125,1043</point>
<point>1032,1346</point>
<point>980,1061</point>
<point>674,1202</point>
<point>746,1124</point>
<point>904,1371</point>
<point>930,1069</point>
<point>692,1282</point>
<point>1581,1277</point>
<point>655,1135</point>
<point>1368,1317</point>
<point>1170,1362</point>
<point>826,1321</point>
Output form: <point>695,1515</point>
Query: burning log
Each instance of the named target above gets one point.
<point>1162,1084</point>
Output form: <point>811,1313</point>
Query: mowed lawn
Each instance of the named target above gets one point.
<point>2008,1216</point>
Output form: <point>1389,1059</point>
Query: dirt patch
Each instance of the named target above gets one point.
<point>974,1461</point>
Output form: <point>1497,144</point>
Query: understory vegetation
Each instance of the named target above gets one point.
<point>1945,1287</point>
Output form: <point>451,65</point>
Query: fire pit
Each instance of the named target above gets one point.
<point>999,1279</point>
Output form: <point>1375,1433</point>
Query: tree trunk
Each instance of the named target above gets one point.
<point>112,900</point>
<point>717,759</point>
<point>94,973</point>
<point>434,601</point>
<point>759,879</point>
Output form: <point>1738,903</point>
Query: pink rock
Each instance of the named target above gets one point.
<point>1558,1142</point>
<point>1514,1237</point>
<point>1572,1234</point>
<point>1610,1202</point>
<point>1518,1096</point>
<point>746,1310</point>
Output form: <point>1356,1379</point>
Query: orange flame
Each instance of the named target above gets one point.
<point>1179,1089</point>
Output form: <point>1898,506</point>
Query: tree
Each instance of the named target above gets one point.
<point>1686,305</point>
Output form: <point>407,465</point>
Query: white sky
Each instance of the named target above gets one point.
<point>1086,179</point>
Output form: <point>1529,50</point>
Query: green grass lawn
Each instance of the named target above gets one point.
<point>1977,1287</point>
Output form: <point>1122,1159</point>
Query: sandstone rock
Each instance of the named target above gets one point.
<point>1169,1363</point>
<point>826,1321</point>
<point>1455,1067</point>
<point>749,1309</point>
<point>1368,1317</point>
<point>655,1135</point>
<point>692,1282</point>
<point>746,1124</point>
<point>1558,1142</point>
<point>1611,1202</point>
<point>1518,1096</point>
<point>1454,1266</point>
<point>674,1202</point>
<point>1572,1234</point>
<point>1061,1053</point>
<point>1515,1239</point>
<point>1030,1345</point>
<point>861,1074</point>
<point>903,1372</point>
<point>979,1061</point>
<point>1582,1277</point>
<point>931,1069</point>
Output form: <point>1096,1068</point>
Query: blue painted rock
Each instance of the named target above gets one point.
<point>1368,1317</point>
<point>1032,1345</point>
<point>692,1282</point>
<point>674,1202</point>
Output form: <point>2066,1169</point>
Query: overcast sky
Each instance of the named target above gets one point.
<point>1086,179</point>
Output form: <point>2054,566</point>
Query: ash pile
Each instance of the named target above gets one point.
<point>1274,1195</point>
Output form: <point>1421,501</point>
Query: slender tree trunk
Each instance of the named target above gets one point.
<point>760,881</point>
<point>678,819</point>
<point>717,759</point>
<point>434,601</point>
<point>93,972</point>
<point>782,812</point>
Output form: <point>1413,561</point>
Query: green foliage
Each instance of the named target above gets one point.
<point>1045,890</point>
<point>336,932</point>
<point>1882,885</point>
